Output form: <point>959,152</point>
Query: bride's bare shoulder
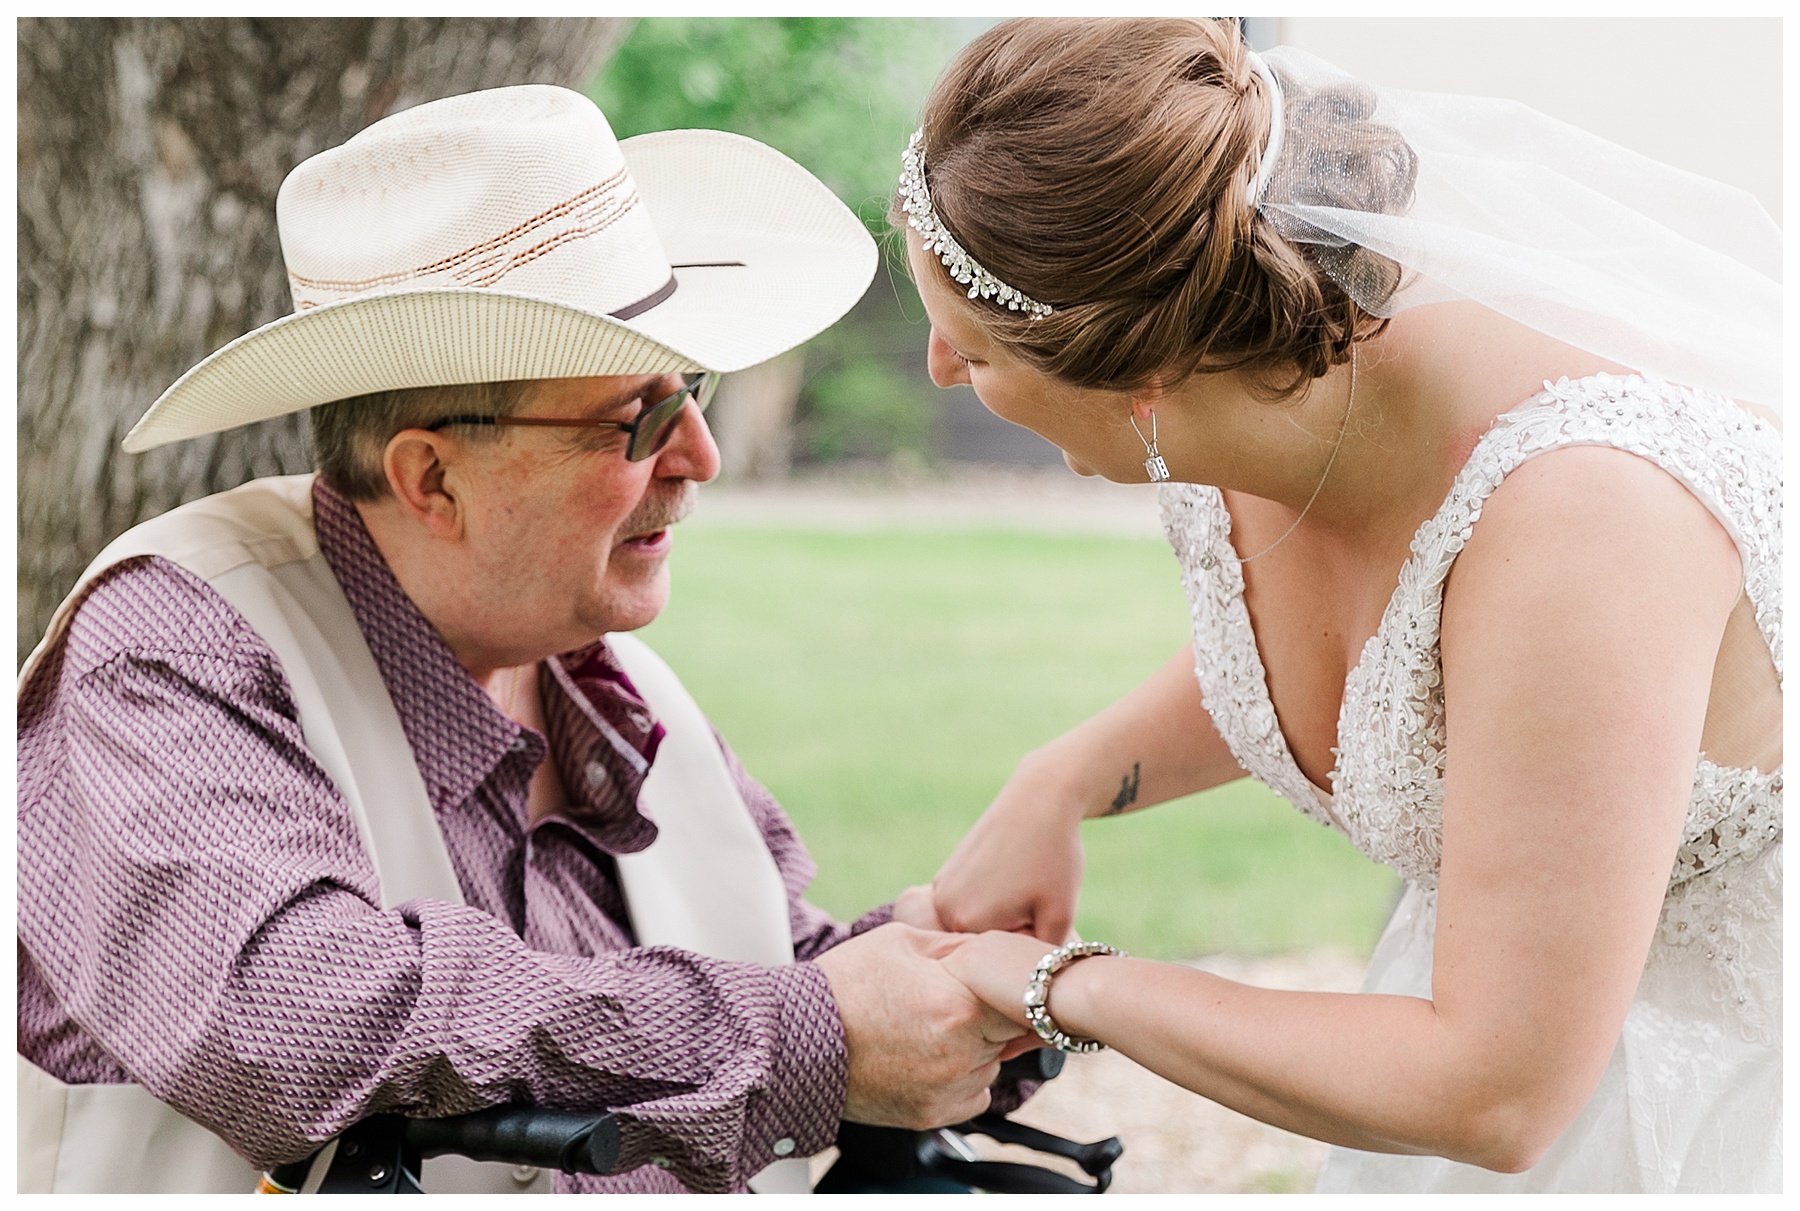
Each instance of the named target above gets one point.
<point>1584,525</point>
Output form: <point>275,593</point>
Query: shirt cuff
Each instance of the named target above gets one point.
<point>797,1114</point>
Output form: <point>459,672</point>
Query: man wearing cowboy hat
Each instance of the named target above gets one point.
<point>349,794</point>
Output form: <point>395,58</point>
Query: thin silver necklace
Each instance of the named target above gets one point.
<point>1208,560</point>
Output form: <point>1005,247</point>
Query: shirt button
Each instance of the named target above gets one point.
<point>525,1174</point>
<point>784,1146</point>
<point>519,743</point>
<point>662,1162</point>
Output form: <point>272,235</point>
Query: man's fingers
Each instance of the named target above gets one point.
<point>914,907</point>
<point>976,1096</point>
<point>999,1028</point>
<point>1020,1045</point>
<point>935,945</point>
<point>974,1105</point>
<point>954,1100</point>
<point>1000,1031</point>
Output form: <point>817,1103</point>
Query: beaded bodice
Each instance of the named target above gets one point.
<point>1387,792</point>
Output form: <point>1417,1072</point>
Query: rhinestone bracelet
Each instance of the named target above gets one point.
<point>1037,995</point>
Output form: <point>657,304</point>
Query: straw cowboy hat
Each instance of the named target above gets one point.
<point>507,235</point>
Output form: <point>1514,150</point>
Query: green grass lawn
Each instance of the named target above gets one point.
<point>882,686</point>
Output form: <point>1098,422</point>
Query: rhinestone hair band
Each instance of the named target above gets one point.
<point>915,200</point>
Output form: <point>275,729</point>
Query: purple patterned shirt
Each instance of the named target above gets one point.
<point>197,912</point>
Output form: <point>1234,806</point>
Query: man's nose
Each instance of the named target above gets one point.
<point>945,367</point>
<point>690,452</point>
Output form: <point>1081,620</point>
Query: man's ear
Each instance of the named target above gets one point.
<point>416,462</point>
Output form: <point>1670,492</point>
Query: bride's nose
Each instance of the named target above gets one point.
<point>946,368</point>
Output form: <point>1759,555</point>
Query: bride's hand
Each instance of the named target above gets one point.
<point>1019,868</point>
<point>997,966</point>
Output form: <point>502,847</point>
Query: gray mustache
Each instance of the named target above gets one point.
<point>662,511</point>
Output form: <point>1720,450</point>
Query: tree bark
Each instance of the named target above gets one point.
<point>150,152</point>
<point>752,418</point>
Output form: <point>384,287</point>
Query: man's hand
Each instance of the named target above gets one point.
<point>915,907</point>
<point>923,1048</point>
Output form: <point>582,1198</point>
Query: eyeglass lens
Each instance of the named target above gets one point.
<point>656,425</point>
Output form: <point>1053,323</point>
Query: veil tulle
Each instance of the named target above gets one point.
<point>1658,269</point>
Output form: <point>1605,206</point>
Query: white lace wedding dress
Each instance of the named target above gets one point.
<point>1691,1099</point>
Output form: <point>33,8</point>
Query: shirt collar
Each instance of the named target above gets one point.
<point>603,735</point>
<point>457,733</point>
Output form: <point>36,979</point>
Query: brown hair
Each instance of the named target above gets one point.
<point>350,436</point>
<point>1102,167</point>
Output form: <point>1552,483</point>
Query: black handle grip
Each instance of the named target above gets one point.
<point>569,1140</point>
<point>1006,1177</point>
<point>1095,1159</point>
<point>1038,1064</point>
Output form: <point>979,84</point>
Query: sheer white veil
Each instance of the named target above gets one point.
<point>1658,269</point>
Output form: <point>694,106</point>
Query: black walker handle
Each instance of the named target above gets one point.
<point>382,1154</point>
<point>569,1140</point>
<point>1095,1159</point>
<point>877,1158</point>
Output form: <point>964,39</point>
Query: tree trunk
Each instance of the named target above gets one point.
<point>150,152</point>
<point>752,418</point>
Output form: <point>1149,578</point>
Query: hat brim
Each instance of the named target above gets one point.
<point>766,258</point>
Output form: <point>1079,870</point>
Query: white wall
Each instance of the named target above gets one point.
<point>1701,94</point>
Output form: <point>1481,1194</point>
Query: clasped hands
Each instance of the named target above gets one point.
<point>931,1004</point>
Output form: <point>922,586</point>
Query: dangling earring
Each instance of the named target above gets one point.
<point>1154,466</point>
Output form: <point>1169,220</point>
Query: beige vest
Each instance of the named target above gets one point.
<point>707,884</point>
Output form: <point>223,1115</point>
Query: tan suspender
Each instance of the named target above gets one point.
<point>707,884</point>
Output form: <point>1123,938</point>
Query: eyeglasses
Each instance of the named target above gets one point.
<point>649,432</point>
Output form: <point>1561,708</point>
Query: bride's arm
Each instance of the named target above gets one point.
<point>1580,627</point>
<point>1020,866</point>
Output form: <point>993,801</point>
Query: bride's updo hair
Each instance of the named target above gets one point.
<point>1103,166</point>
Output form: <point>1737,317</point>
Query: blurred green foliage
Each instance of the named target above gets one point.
<point>841,95</point>
<point>860,402</point>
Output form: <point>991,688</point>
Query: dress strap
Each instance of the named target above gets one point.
<point>1729,458</point>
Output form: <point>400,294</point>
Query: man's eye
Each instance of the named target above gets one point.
<point>624,414</point>
<point>648,400</point>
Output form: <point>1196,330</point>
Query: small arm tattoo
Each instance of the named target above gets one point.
<point>1128,791</point>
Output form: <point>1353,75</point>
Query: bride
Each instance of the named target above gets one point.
<point>1477,506</point>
